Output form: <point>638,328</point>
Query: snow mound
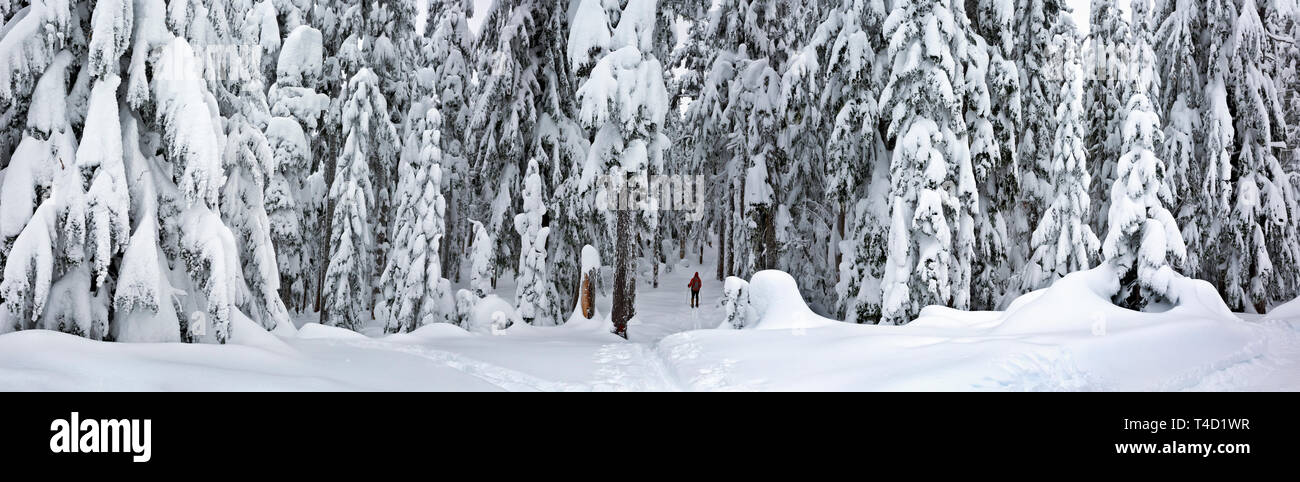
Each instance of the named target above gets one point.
<point>1065,337</point>
<point>244,331</point>
<point>1081,302</point>
<point>945,317</point>
<point>430,332</point>
<point>317,331</point>
<point>775,300</point>
<point>492,314</point>
<point>1285,311</point>
<point>598,323</point>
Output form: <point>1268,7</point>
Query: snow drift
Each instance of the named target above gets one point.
<point>1066,337</point>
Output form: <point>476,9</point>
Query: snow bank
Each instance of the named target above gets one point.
<point>317,331</point>
<point>492,314</point>
<point>1066,337</point>
<point>1286,311</point>
<point>770,300</point>
<point>774,297</point>
<point>428,333</point>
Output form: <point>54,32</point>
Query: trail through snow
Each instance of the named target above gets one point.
<point>551,359</point>
<point>1044,346</point>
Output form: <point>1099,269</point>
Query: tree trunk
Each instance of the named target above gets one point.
<point>731,251</point>
<point>722,249</point>
<point>328,221</point>
<point>588,294</point>
<point>839,229</point>
<point>770,249</point>
<point>655,252</point>
<point>624,278</point>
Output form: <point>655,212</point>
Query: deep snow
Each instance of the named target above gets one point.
<point>1063,338</point>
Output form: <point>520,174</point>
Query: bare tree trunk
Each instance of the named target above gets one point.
<point>770,249</point>
<point>624,278</point>
<point>722,249</point>
<point>328,221</point>
<point>731,252</point>
<point>839,228</point>
<point>656,251</point>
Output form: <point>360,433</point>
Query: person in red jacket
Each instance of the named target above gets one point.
<point>694,285</point>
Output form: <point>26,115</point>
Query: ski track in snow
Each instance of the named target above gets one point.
<point>1268,364</point>
<point>634,366</point>
<point>1052,371</point>
<point>505,378</point>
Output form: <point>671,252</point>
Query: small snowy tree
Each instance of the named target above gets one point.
<point>249,162</point>
<point>735,303</point>
<point>412,291</point>
<point>532,293</point>
<point>481,261</point>
<point>1143,237</point>
<point>348,281</point>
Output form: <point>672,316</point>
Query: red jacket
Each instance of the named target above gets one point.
<point>694,285</point>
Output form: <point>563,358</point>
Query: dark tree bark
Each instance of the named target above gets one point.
<point>624,275</point>
<point>839,228</point>
<point>722,249</point>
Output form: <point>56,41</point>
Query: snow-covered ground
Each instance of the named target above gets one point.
<point>1063,338</point>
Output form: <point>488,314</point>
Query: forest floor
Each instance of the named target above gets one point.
<point>1038,345</point>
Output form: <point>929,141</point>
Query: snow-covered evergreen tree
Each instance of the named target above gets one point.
<point>35,32</point>
<point>1262,251</point>
<point>1106,70</point>
<point>249,162</point>
<point>43,237</point>
<point>412,290</point>
<point>533,297</point>
<point>482,262</point>
<point>931,176</point>
<point>1063,241</point>
<point>524,108</point>
<point>1143,238</point>
<point>1179,68</point>
<point>1212,176</point>
<point>452,55</point>
<point>997,169</point>
<point>829,98</point>
<point>294,193</point>
<point>349,279</point>
<point>192,220</point>
<point>624,100</point>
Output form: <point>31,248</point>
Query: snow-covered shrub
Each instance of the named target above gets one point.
<point>735,301</point>
<point>490,315</point>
